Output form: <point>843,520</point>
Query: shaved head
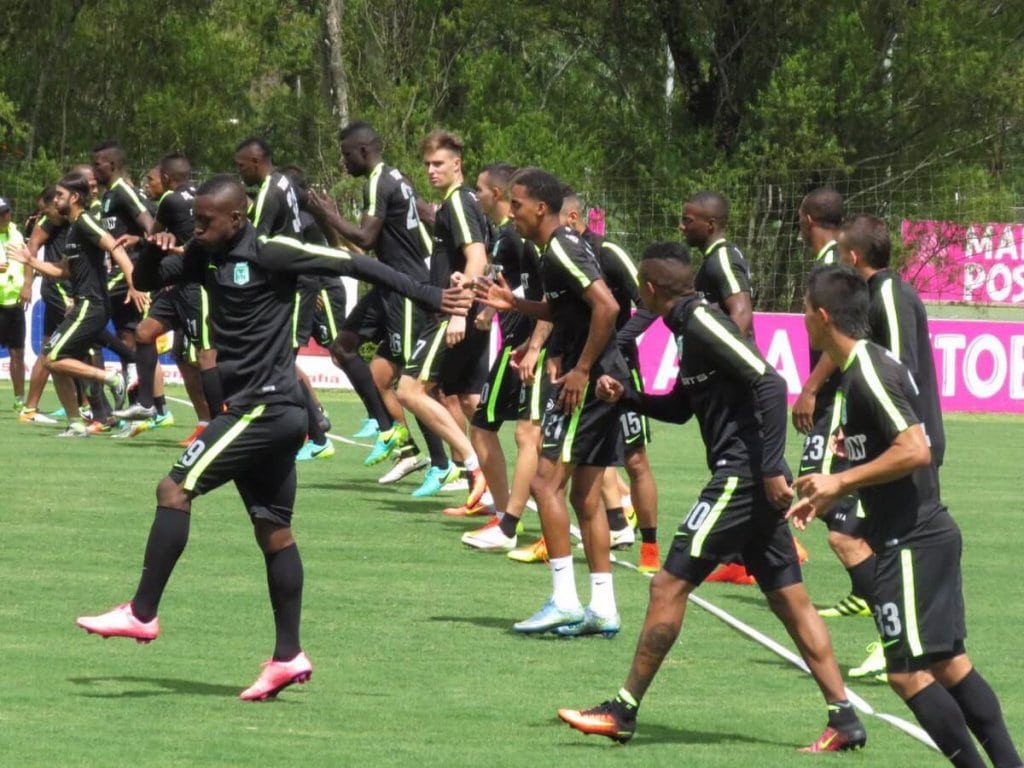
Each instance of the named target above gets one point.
<point>226,191</point>
<point>712,204</point>
<point>220,210</point>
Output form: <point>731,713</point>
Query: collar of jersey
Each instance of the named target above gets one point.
<point>714,245</point>
<point>824,248</point>
<point>451,191</point>
<point>860,345</point>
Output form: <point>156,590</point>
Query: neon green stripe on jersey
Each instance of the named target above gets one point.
<point>332,326</point>
<point>406,330</point>
<point>626,261</point>
<point>371,185</point>
<point>316,250</point>
<point>136,202</point>
<point>555,248</point>
<point>833,425</point>
<point>91,223</point>
<point>574,423</point>
<point>537,386</point>
<point>215,450</point>
<point>723,260</point>
<point>716,512</point>
<point>720,332</point>
<point>204,318</point>
<point>827,254</point>
<point>910,603</point>
<point>460,216</point>
<point>260,199</point>
<point>875,385</point>
<point>891,318</point>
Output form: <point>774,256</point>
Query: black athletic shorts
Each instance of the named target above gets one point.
<point>329,314</point>
<point>255,446</point>
<point>389,319</point>
<point>53,316</point>
<point>307,288</point>
<point>846,515</point>
<point>79,331</point>
<point>499,398</point>
<point>919,602</point>
<point>533,397</point>
<point>458,370</point>
<point>636,428</point>
<point>12,327</point>
<point>734,518</point>
<point>588,436</point>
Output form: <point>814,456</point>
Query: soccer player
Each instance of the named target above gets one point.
<point>739,402</point>
<point>506,396</point>
<point>898,322</point>
<point>390,227</point>
<point>724,275</point>
<point>917,598</point>
<point>580,433</point>
<point>276,212</point>
<point>49,233</point>
<point>125,216</point>
<point>820,217</point>
<point>12,307</point>
<point>85,251</point>
<point>620,273</point>
<point>177,308</point>
<point>251,284</point>
<point>450,354</point>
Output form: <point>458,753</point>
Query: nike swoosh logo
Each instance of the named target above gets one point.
<point>811,468</point>
<point>888,643</point>
<point>559,570</point>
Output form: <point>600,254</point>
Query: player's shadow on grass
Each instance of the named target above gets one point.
<point>487,622</point>
<point>651,734</point>
<point>155,686</point>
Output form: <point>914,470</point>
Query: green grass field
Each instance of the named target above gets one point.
<point>409,631</point>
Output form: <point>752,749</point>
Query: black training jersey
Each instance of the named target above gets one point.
<point>174,212</point>
<point>875,398</point>
<point>251,283</point>
<point>568,268</point>
<point>723,273</point>
<point>276,210</point>
<point>829,254</point>
<point>459,222</point>
<point>739,400</point>
<point>519,263</point>
<point>388,196</point>
<point>54,291</point>
<point>86,259</point>
<point>120,210</point>
<point>900,324</point>
<point>313,235</point>
<point>619,272</point>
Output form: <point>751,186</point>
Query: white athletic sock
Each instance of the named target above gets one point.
<point>563,583</point>
<point>627,501</point>
<point>602,594</point>
<point>472,463</point>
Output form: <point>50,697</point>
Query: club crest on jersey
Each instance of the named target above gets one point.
<point>241,273</point>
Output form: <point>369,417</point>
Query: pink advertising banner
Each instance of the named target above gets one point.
<point>979,364</point>
<point>974,264</point>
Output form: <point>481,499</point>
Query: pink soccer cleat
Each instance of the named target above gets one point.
<point>276,676</point>
<point>120,622</point>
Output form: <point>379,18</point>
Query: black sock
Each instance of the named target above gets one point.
<point>160,402</point>
<point>862,578</point>
<point>842,716</point>
<point>435,446</point>
<point>359,374</point>
<point>984,717</point>
<point>408,449</point>
<point>213,390</point>
<point>616,519</point>
<point>98,403</point>
<point>145,361</point>
<point>167,538</point>
<point>117,346</point>
<point>508,524</point>
<point>314,430</point>
<point>938,713</point>
<point>649,535</point>
<point>284,581</point>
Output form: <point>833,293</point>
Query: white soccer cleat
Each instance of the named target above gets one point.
<point>402,468</point>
